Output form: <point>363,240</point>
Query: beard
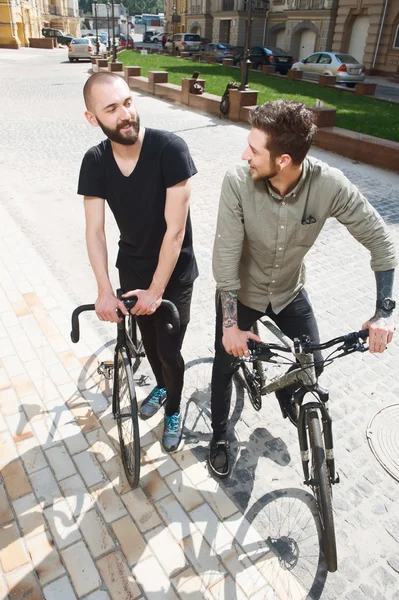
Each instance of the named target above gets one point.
<point>127,138</point>
<point>273,172</point>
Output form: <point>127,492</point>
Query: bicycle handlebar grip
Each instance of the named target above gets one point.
<point>173,326</point>
<point>75,333</point>
<point>364,334</point>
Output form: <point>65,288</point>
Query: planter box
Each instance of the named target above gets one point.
<point>228,62</point>
<point>294,74</point>
<point>324,117</point>
<point>238,99</point>
<point>268,69</point>
<point>325,80</point>
<point>365,89</point>
<point>115,67</point>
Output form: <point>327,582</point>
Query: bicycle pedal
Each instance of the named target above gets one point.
<point>106,368</point>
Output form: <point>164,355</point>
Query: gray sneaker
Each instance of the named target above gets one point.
<point>151,405</point>
<point>172,432</point>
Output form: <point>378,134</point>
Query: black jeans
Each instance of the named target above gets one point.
<point>162,349</point>
<point>294,320</point>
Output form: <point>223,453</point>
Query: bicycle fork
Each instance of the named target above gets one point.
<point>327,435</point>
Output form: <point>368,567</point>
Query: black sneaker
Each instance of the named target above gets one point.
<point>219,458</point>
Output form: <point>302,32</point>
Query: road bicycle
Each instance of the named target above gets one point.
<point>129,351</point>
<point>314,423</point>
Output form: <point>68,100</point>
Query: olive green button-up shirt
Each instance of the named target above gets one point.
<point>262,239</point>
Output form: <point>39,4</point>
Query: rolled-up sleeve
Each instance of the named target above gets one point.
<point>229,237</point>
<point>354,211</point>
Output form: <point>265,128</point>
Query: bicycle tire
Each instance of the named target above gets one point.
<point>126,414</point>
<point>321,485</point>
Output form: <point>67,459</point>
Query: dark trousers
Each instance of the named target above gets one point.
<point>294,320</point>
<point>162,349</point>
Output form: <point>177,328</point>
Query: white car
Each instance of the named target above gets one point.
<point>344,67</point>
<point>81,48</point>
<point>157,38</point>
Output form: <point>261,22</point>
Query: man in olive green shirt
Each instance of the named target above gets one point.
<point>270,215</point>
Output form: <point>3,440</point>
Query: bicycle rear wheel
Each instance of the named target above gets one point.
<point>126,414</point>
<point>321,484</point>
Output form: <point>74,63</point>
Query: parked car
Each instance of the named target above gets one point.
<point>157,38</point>
<point>218,51</point>
<point>62,38</point>
<point>275,57</point>
<point>147,35</point>
<point>184,42</point>
<point>344,66</point>
<point>103,37</point>
<point>123,43</point>
<point>80,48</point>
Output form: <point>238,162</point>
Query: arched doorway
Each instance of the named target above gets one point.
<point>195,28</point>
<point>304,39</point>
<point>276,36</point>
<point>357,43</point>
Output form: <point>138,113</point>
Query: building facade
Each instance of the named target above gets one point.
<point>369,30</point>
<point>177,24</point>
<point>366,29</point>
<point>21,20</point>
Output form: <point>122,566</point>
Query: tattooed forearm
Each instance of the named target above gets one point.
<point>229,308</point>
<point>384,280</point>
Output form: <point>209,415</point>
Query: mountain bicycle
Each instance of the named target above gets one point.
<point>129,351</point>
<point>314,422</point>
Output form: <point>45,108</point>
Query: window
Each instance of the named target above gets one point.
<point>312,59</point>
<point>325,59</point>
<point>396,40</point>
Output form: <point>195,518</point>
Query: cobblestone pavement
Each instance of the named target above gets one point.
<point>70,526</point>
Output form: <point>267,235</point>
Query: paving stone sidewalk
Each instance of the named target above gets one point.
<point>70,526</point>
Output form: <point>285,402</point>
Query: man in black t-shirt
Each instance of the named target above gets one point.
<point>144,175</point>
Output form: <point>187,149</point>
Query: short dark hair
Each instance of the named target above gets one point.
<point>289,126</point>
<point>97,78</point>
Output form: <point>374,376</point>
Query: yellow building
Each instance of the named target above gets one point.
<point>179,8</point>
<point>21,20</point>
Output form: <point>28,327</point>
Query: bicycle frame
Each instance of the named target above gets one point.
<point>304,374</point>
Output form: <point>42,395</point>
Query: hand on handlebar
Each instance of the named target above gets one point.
<point>147,303</point>
<point>381,330</point>
<point>235,341</point>
<point>107,306</point>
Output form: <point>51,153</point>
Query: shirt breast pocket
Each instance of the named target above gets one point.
<point>306,233</point>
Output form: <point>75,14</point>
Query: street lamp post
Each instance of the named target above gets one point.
<point>113,33</point>
<point>109,36</point>
<point>173,27</point>
<point>95,16</point>
<point>246,63</point>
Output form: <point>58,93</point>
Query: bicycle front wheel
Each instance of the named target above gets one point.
<point>321,484</point>
<point>126,414</point>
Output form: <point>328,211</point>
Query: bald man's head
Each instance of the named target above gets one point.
<point>99,79</point>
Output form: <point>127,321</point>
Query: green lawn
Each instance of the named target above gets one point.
<point>357,113</point>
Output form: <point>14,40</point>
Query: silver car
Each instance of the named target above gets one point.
<point>184,42</point>
<point>84,48</point>
<point>344,66</point>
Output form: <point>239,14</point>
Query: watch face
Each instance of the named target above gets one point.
<point>388,304</point>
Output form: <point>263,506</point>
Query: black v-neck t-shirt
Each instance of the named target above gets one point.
<point>138,202</point>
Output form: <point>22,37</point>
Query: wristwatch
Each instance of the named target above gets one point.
<point>388,304</point>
